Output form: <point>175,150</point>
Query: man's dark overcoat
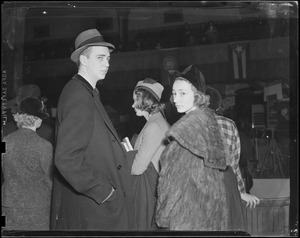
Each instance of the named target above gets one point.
<point>90,160</point>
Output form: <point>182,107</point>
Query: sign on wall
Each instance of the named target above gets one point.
<point>168,61</point>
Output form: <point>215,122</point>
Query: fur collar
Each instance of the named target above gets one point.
<point>199,132</point>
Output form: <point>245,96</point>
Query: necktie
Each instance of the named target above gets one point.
<point>102,109</point>
<point>96,93</point>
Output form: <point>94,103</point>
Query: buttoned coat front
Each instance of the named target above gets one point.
<point>90,160</point>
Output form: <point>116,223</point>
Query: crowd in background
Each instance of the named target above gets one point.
<point>187,35</point>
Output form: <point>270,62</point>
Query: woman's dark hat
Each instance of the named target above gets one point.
<point>91,37</point>
<point>34,107</point>
<point>215,98</point>
<point>191,74</point>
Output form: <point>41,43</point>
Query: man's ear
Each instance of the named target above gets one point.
<point>82,59</point>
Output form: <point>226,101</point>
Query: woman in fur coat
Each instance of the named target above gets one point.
<point>191,190</point>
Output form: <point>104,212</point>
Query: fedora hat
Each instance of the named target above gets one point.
<point>191,74</point>
<point>34,107</point>
<point>91,37</point>
<point>152,87</point>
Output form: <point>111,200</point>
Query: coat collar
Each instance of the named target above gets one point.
<point>81,79</point>
<point>154,117</point>
<point>199,132</point>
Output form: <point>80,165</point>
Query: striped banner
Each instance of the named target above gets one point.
<point>239,57</point>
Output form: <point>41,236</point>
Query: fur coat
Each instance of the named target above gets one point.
<point>191,192</point>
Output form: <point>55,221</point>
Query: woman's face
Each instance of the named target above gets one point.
<point>183,96</point>
<point>136,103</point>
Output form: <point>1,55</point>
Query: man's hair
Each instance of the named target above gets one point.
<point>147,102</point>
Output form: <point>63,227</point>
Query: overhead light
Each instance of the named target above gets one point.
<point>44,12</point>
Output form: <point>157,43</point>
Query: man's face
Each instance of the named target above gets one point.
<point>97,62</point>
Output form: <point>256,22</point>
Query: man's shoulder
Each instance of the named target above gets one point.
<point>74,89</point>
<point>73,84</point>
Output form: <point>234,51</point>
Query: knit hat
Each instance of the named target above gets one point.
<point>152,87</point>
<point>88,38</point>
<point>191,74</point>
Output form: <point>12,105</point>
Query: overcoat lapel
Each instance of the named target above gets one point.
<point>104,115</point>
<point>101,109</point>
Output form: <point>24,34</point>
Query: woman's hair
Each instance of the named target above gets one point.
<point>25,120</point>
<point>200,99</point>
<point>147,102</point>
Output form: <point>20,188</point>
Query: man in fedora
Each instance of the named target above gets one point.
<point>92,186</point>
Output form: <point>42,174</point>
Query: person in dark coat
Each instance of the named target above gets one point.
<point>92,188</point>
<point>27,170</point>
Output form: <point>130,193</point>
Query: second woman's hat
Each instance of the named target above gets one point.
<point>151,86</point>
<point>91,37</point>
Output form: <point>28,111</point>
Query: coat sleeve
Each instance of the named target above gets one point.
<point>76,124</point>
<point>236,150</point>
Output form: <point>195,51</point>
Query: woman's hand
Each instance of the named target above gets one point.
<point>251,200</point>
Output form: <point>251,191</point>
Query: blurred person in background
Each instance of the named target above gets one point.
<point>46,130</point>
<point>27,170</point>
<point>211,33</point>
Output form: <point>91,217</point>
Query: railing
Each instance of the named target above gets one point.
<point>270,217</point>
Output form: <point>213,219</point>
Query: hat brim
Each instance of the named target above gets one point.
<point>43,116</point>
<point>40,115</point>
<point>150,91</point>
<point>76,53</point>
